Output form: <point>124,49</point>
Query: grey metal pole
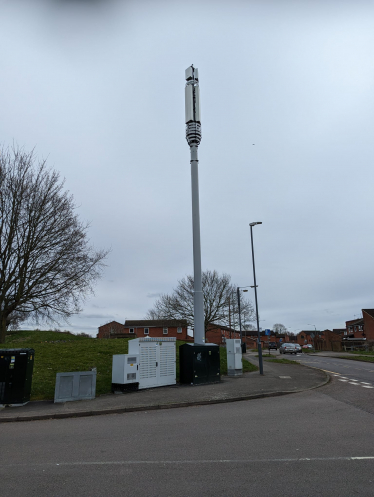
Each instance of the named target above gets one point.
<point>199,331</point>
<point>257,317</point>
<point>193,137</point>
<point>240,320</point>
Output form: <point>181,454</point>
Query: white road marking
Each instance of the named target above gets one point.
<point>332,372</point>
<point>194,461</point>
<point>365,383</point>
<point>352,383</point>
<point>342,380</point>
<point>366,386</point>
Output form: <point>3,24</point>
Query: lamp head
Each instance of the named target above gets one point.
<point>254,224</point>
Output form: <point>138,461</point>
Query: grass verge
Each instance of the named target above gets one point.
<point>363,352</point>
<point>357,358</point>
<point>282,361</point>
<point>59,352</point>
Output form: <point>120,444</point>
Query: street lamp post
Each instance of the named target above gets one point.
<point>257,317</point>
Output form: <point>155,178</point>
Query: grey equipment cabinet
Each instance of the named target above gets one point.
<point>234,357</point>
<point>77,385</point>
<point>125,372</point>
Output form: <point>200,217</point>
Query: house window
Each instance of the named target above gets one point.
<point>131,330</point>
<point>302,337</point>
<point>345,333</point>
<point>146,331</point>
<point>165,331</point>
<point>179,330</point>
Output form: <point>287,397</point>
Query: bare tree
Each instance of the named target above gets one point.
<point>47,266</point>
<point>14,320</point>
<point>279,328</point>
<point>220,303</point>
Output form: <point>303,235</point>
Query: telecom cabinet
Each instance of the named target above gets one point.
<point>75,385</point>
<point>157,360</point>
<point>199,363</point>
<point>16,366</point>
<point>234,357</point>
<point>125,371</point>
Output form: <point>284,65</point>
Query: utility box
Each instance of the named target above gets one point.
<point>157,361</point>
<point>77,385</point>
<point>234,357</point>
<point>16,366</point>
<point>125,372</point>
<point>199,363</point>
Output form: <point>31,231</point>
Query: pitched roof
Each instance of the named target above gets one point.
<point>217,326</point>
<point>355,322</point>
<point>310,332</point>
<point>159,323</point>
<point>369,311</point>
<point>111,322</point>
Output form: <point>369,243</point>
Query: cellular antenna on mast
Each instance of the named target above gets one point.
<point>193,137</point>
<point>200,361</point>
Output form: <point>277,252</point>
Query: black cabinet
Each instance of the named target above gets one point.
<point>16,367</point>
<point>199,363</point>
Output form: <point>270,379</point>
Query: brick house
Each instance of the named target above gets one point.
<point>157,328</point>
<point>354,328</point>
<point>265,339</point>
<point>368,316</point>
<point>144,328</point>
<point>361,328</point>
<point>321,340</point>
<point>218,334</point>
<point>306,337</point>
<point>328,340</point>
<point>111,330</point>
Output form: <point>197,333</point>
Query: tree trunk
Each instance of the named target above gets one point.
<point>2,328</point>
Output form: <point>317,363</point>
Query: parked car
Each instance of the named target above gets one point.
<point>288,348</point>
<point>298,348</point>
<point>272,346</point>
<point>308,346</point>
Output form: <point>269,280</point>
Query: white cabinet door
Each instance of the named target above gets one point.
<point>167,369</point>
<point>148,365</point>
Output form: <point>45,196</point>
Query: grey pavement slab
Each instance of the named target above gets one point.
<point>278,379</point>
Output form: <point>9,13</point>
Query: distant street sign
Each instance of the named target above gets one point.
<point>281,339</point>
<point>267,332</point>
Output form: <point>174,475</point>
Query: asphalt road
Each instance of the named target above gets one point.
<point>354,380</point>
<point>357,370</point>
<point>314,443</point>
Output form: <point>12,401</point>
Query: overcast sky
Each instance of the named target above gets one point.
<point>287,108</point>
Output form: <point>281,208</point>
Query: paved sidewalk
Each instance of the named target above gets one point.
<point>278,379</point>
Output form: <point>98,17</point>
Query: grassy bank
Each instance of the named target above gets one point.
<point>57,352</point>
<point>358,358</point>
<point>282,361</point>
